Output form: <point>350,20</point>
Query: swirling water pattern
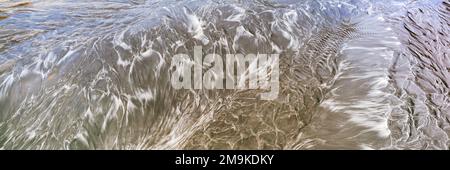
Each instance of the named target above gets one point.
<point>354,74</point>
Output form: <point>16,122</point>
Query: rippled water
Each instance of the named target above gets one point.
<point>354,74</point>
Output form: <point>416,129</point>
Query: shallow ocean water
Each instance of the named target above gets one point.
<point>354,74</point>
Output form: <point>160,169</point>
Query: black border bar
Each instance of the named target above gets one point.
<point>167,158</point>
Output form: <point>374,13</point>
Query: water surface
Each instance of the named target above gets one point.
<point>354,74</point>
